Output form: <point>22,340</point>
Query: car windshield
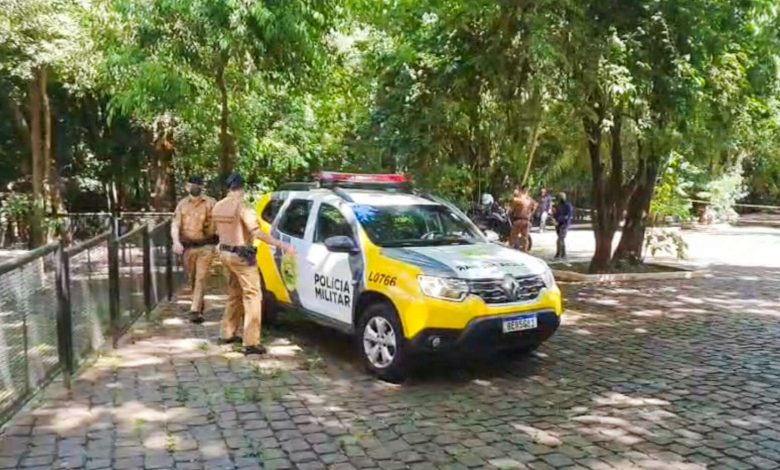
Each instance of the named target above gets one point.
<point>415,225</point>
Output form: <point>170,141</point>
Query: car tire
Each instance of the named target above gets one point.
<point>381,343</point>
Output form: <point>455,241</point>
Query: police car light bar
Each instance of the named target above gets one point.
<point>332,177</point>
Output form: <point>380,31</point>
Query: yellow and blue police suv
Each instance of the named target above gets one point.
<point>404,273</point>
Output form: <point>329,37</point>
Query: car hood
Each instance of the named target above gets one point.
<point>481,261</point>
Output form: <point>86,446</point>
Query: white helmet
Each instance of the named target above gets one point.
<point>487,199</point>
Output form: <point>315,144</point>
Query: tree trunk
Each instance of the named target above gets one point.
<point>532,150</point>
<point>228,158</point>
<point>164,149</point>
<point>162,179</point>
<point>603,254</point>
<point>52,185</point>
<point>608,193</point>
<point>534,103</point>
<point>637,212</point>
<point>38,161</point>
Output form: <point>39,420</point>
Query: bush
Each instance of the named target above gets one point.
<point>665,241</point>
<point>724,192</point>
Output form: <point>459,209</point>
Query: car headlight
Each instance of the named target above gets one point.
<point>443,287</point>
<point>548,278</point>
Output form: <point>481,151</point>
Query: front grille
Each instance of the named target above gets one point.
<point>493,291</point>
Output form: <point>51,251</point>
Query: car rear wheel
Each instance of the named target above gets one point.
<point>381,342</point>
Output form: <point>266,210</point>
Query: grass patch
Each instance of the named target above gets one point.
<point>233,395</point>
<point>313,362</point>
<point>182,393</point>
<point>170,443</point>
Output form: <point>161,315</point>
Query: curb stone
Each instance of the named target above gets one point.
<point>572,276</point>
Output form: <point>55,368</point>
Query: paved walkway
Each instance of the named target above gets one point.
<point>658,375</point>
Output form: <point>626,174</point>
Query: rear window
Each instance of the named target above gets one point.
<point>271,209</point>
<point>294,218</point>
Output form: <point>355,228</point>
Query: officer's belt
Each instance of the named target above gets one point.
<point>199,243</point>
<point>236,249</point>
<point>247,253</point>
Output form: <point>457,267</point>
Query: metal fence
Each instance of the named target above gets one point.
<point>58,304</point>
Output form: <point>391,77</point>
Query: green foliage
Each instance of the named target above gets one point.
<point>243,67</point>
<point>16,207</point>
<point>672,196</point>
<point>35,33</point>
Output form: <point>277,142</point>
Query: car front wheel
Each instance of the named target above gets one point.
<point>381,342</point>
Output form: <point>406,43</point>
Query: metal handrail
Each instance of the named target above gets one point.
<point>131,233</point>
<point>753,206</point>
<point>159,226</point>
<point>21,260</point>
<point>91,243</point>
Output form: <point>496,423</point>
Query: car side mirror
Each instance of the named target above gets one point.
<point>491,236</point>
<point>341,244</point>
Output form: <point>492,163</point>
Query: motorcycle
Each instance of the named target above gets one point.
<point>491,217</point>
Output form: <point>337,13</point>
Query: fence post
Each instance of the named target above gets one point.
<point>64,319</point>
<point>169,261</point>
<point>113,286</point>
<point>147,246</point>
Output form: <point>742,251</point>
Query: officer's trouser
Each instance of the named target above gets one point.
<point>197,263</point>
<point>518,237</point>
<point>244,299</point>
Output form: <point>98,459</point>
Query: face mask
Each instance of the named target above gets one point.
<point>195,191</point>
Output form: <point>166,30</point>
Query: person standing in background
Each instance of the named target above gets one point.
<point>545,207</point>
<point>192,232</point>
<point>564,214</point>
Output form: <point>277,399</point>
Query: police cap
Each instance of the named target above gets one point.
<point>196,179</point>
<point>234,181</point>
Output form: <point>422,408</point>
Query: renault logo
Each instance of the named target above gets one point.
<point>510,287</point>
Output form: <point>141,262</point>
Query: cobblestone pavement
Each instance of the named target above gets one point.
<point>682,374</point>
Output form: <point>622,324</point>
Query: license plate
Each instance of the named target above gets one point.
<point>519,323</point>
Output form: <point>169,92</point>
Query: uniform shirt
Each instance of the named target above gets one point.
<point>235,223</point>
<point>193,214</point>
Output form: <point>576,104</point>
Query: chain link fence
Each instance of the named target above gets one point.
<point>28,334</point>
<point>90,307</point>
<point>131,277</point>
<point>59,304</point>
